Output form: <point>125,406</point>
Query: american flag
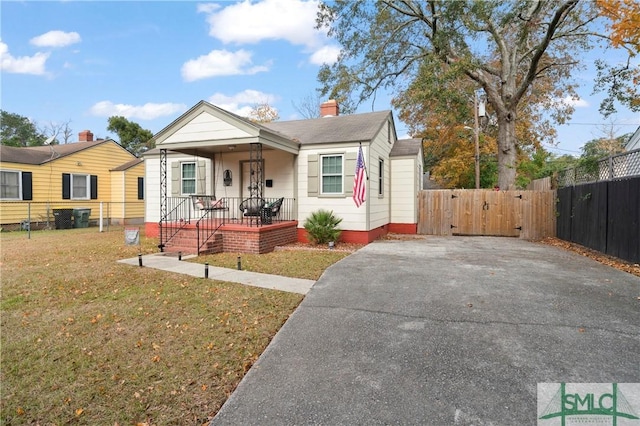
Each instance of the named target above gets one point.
<point>359,184</point>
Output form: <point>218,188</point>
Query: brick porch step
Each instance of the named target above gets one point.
<point>186,241</point>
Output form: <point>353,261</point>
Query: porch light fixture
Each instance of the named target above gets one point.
<point>231,147</point>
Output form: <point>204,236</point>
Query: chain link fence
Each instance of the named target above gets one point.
<point>40,215</point>
<point>617,166</point>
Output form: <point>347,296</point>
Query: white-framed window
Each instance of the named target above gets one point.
<point>331,174</point>
<point>380,177</point>
<point>188,178</point>
<point>80,186</point>
<point>10,185</point>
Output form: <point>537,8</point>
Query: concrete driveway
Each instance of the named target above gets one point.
<point>441,331</point>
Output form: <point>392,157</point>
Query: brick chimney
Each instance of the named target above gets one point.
<point>329,108</point>
<point>85,136</point>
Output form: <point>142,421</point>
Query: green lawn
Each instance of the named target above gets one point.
<point>85,340</point>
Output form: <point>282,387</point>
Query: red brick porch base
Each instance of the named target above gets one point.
<point>242,239</point>
<point>245,239</point>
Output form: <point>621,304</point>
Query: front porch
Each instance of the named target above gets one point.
<point>234,238</point>
<point>227,228</point>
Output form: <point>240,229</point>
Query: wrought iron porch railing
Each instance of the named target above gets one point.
<point>177,217</point>
<point>208,225</point>
<point>181,212</point>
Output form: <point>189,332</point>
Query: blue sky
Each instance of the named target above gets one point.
<point>151,61</point>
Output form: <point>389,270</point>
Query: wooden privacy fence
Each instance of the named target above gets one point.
<point>526,214</point>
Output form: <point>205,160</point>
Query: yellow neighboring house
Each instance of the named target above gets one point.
<point>39,185</point>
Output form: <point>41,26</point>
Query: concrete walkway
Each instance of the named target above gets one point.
<point>169,262</point>
<point>444,331</point>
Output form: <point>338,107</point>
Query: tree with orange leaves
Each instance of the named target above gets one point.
<point>621,81</point>
<point>438,107</point>
<point>507,48</point>
<point>624,25</point>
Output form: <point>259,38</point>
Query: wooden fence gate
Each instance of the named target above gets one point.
<point>525,214</point>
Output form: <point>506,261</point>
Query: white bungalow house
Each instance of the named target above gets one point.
<point>218,177</point>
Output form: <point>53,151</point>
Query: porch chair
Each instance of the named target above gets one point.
<point>273,209</point>
<point>208,202</point>
<point>252,207</point>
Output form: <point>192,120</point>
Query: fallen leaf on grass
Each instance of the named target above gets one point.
<point>79,412</point>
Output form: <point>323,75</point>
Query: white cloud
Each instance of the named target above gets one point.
<point>243,102</point>
<point>56,39</point>
<point>325,55</point>
<point>207,7</point>
<point>24,64</point>
<point>148,111</point>
<point>219,63</point>
<point>250,22</point>
<point>574,102</point>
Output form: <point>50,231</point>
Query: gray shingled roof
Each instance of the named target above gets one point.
<point>343,128</point>
<point>43,154</point>
<point>406,147</point>
<point>127,165</point>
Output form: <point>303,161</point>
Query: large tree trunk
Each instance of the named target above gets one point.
<point>507,154</point>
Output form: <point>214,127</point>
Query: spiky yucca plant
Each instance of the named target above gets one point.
<point>322,227</point>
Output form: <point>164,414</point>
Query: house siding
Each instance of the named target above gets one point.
<point>47,181</point>
<point>379,206</point>
<point>404,190</point>
<point>353,218</point>
<point>126,207</point>
<point>134,206</point>
<point>118,193</point>
<point>205,127</point>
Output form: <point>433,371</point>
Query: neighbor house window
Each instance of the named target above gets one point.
<point>140,188</point>
<point>10,185</point>
<point>331,174</point>
<point>188,178</point>
<point>79,187</point>
<point>381,177</point>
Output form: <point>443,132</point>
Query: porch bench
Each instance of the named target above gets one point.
<point>208,203</point>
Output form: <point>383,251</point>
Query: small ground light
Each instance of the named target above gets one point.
<point>239,263</point>
<point>179,255</point>
<point>206,270</point>
<point>140,260</point>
